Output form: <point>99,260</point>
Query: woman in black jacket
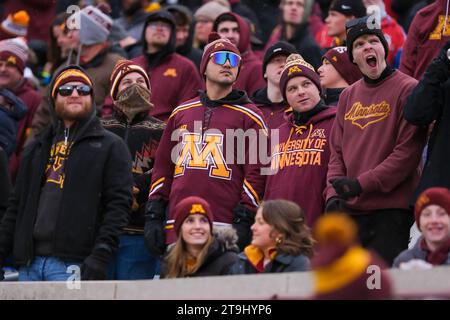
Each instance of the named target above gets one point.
<point>199,251</point>
<point>281,241</point>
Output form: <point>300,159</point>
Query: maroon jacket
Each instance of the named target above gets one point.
<point>212,172</point>
<point>250,76</point>
<point>274,113</point>
<point>173,81</point>
<point>32,98</point>
<point>425,39</point>
<point>372,142</point>
<point>301,158</point>
<point>41,14</point>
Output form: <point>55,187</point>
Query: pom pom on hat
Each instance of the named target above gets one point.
<point>16,24</point>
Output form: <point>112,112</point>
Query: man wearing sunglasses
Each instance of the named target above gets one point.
<point>73,191</point>
<point>375,153</point>
<point>208,164</point>
<point>235,28</point>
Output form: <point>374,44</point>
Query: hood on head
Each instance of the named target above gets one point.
<point>161,15</point>
<point>51,101</point>
<point>244,31</point>
<point>188,14</point>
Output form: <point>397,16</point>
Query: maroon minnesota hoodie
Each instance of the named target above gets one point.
<point>370,141</point>
<point>206,163</point>
<point>173,81</point>
<point>301,158</point>
<point>250,76</point>
<point>425,39</point>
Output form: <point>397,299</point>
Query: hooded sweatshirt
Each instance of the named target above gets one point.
<point>173,78</point>
<point>274,113</point>
<point>186,50</point>
<point>250,76</point>
<point>301,160</point>
<point>426,37</point>
<point>371,142</point>
<point>206,166</point>
<point>303,39</point>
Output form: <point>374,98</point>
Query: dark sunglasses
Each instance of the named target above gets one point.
<point>82,89</point>
<point>221,57</point>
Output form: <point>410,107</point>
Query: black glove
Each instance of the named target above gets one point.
<point>243,219</point>
<point>155,219</point>
<point>2,274</point>
<point>335,204</point>
<point>346,188</point>
<point>439,69</point>
<point>95,266</point>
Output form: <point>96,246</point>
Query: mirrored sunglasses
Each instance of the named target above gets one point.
<point>221,57</point>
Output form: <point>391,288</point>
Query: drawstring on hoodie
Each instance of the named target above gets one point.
<point>66,135</point>
<point>446,17</point>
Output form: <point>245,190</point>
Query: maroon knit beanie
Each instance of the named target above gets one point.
<point>191,205</point>
<point>215,44</point>
<point>338,57</point>
<point>436,195</point>
<point>297,67</point>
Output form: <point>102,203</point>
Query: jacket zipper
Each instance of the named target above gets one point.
<point>127,130</point>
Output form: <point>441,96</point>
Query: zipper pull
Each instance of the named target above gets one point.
<point>66,135</point>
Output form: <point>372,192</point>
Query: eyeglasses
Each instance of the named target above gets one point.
<point>221,57</point>
<point>67,90</point>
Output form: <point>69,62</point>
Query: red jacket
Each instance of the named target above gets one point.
<point>32,98</point>
<point>213,171</point>
<point>173,81</point>
<point>370,141</point>
<point>250,76</point>
<point>301,158</point>
<point>425,39</point>
<point>395,37</point>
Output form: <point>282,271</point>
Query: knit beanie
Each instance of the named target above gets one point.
<point>70,74</point>
<point>349,7</point>
<point>94,25</point>
<point>281,47</point>
<point>191,205</point>
<point>14,51</point>
<point>362,26</point>
<point>212,9</point>
<point>341,265</point>
<point>297,67</point>
<point>121,69</point>
<point>16,24</point>
<point>215,44</point>
<point>436,195</point>
<point>339,58</point>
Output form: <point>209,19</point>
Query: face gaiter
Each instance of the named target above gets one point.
<point>134,100</point>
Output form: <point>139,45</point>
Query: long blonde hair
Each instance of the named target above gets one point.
<point>176,260</point>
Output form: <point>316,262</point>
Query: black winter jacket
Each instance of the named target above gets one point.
<point>220,257</point>
<point>281,263</point>
<point>96,197</point>
<point>5,183</point>
<point>430,101</point>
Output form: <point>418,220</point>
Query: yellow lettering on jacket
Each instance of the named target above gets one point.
<point>206,154</point>
<point>363,116</point>
<point>439,31</point>
<point>170,72</point>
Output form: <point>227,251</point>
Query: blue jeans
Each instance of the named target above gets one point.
<point>132,260</point>
<point>47,269</point>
